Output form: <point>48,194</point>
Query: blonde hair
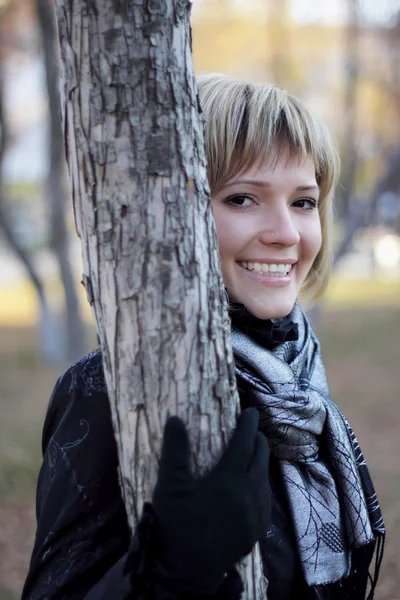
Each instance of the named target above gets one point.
<point>244,121</point>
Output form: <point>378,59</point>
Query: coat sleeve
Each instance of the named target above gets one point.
<point>82,545</point>
<point>82,531</point>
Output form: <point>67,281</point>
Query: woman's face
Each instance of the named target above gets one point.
<point>269,233</point>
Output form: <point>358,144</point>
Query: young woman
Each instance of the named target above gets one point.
<point>299,485</point>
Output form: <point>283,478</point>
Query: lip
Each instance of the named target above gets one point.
<point>267,261</point>
<point>268,280</point>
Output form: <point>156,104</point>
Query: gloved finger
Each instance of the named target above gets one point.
<point>175,453</point>
<point>240,448</point>
<point>259,465</point>
<point>259,476</point>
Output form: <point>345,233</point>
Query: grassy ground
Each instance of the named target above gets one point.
<point>25,386</point>
<point>360,335</point>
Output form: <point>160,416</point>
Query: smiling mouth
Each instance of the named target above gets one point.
<point>270,269</point>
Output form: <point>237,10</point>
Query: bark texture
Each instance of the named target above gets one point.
<point>136,157</point>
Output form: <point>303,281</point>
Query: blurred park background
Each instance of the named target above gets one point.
<point>343,59</point>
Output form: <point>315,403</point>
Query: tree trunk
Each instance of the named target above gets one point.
<point>74,338</point>
<point>136,157</point>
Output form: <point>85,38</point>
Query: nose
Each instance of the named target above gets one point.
<point>280,228</point>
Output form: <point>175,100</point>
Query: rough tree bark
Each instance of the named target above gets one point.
<point>73,330</point>
<point>136,157</point>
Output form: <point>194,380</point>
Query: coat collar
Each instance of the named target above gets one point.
<point>266,332</point>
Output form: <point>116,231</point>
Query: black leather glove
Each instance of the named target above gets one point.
<point>206,525</point>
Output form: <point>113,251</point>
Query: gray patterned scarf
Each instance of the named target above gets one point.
<point>331,498</point>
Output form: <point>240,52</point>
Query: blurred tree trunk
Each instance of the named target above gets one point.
<point>57,198</point>
<point>136,158</point>
<point>350,149</point>
<point>279,42</point>
<point>348,207</point>
<point>47,326</point>
<point>365,214</point>
<point>391,39</point>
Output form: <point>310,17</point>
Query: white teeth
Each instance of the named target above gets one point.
<point>273,269</point>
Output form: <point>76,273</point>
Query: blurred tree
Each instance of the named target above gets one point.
<point>136,157</point>
<point>363,213</point>
<point>57,195</point>
<point>46,324</point>
<point>62,339</point>
<point>349,150</point>
<point>360,210</point>
<point>278,39</point>
<point>349,210</point>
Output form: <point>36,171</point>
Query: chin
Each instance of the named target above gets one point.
<point>268,310</point>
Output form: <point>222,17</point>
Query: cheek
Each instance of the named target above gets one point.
<point>226,248</point>
<point>228,235</point>
<point>313,240</point>
<point>224,242</point>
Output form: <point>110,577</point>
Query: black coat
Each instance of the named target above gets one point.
<point>83,538</point>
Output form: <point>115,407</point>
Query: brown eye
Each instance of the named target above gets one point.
<point>239,201</point>
<point>308,204</point>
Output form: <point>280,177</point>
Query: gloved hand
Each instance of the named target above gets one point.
<point>205,525</point>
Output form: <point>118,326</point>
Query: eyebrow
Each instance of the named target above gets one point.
<point>265,184</point>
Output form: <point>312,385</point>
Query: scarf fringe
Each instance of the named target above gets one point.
<point>379,550</point>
